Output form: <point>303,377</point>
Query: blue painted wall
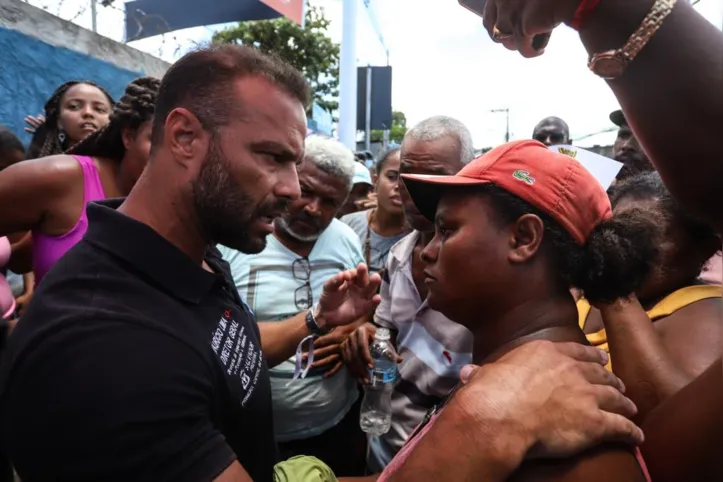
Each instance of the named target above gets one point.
<point>30,70</point>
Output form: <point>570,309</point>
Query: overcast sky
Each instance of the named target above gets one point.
<point>444,63</point>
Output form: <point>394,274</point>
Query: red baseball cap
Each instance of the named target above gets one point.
<point>554,183</point>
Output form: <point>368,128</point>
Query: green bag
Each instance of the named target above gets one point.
<point>303,469</point>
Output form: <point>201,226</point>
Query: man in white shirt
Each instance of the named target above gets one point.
<point>312,415</point>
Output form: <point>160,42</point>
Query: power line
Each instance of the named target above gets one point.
<point>61,6</point>
<point>603,131</point>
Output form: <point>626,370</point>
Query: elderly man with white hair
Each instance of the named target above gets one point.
<point>313,414</point>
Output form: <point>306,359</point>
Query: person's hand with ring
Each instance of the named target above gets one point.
<point>498,36</point>
<point>526,25</point>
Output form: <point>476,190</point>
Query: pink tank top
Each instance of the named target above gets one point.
<point>49,249</point>
<point>404,453</point>
<point>7,301</point>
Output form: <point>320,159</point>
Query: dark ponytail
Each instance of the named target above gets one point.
<point>615,261</point>
<point>701,240</point>
<point>618,257</point>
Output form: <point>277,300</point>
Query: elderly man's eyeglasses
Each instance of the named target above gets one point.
<point>303,297</point>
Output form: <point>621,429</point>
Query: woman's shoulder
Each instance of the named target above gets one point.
<point>53,172</point>
<point>604,463</point>
<point>708,310</point>
<point>59,165</point>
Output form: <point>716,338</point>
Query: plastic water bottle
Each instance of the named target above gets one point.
<point>376,408</point>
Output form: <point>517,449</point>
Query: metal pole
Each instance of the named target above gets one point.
<point>507,129</point>
<point>507,132</point>
<point>347,75</point>
<point>368,111</point>
<point>386,138</point>
<point>94,15</point>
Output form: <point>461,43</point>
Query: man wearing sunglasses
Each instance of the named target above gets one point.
<point>313,413</point>
<point>552,131</point>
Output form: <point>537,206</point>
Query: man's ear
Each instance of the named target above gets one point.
<point>527,233</point>
<point>185,137</point>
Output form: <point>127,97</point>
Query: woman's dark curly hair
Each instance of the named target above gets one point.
<point>614,262</point>
<point>48,135</point>
<point>133,109</point>
<point>701,237</point>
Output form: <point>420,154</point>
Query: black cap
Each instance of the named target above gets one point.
<point>618,118</point>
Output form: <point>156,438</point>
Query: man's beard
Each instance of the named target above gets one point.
<point>224,210</point>
<point>283,224</point>
<point>632,165</point>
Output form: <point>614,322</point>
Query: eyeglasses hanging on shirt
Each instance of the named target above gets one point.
<point>303,297</point>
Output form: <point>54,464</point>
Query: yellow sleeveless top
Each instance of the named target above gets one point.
<point>665,307</point>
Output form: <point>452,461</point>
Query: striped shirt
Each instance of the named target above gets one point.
<point>434,350</point>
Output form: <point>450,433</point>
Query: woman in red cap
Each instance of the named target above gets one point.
<point>515,230</point>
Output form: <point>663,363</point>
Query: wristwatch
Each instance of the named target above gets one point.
<point>312,325</point>
<point>612,63</point>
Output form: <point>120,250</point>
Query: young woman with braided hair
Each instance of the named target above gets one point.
<point>128,134</point>
<point>47,196</point>
<point>75,110</point>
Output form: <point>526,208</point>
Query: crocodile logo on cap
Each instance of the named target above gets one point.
<point>523,176</point>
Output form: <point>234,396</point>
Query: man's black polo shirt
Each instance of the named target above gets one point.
<point>134,363</point>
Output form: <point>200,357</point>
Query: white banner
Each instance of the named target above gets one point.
<point>602,168</point>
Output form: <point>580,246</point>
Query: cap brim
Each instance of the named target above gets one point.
<point>426,190</point>
<point>618,118</point>
<point>361,179</point>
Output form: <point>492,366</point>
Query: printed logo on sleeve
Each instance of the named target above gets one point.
<point>239,356</point>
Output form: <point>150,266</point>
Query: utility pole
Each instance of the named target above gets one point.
<point>94,15</point>
<point>368,109</point>
<point>507,113</point>
<point>346,127</point>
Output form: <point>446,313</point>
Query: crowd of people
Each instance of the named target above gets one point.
<point>191,281</point>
